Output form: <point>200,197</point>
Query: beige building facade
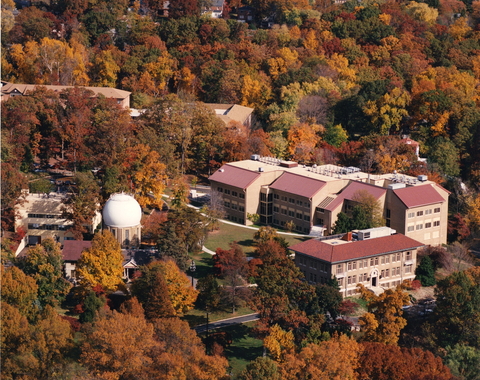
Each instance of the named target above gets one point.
<point>310,198</point>
<point>377,258</point>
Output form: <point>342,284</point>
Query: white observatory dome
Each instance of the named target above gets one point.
<point>122,210</point>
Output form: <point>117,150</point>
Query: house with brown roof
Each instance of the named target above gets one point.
<point>16,89</point>
<point>233,112</point>
<point>311,197</point>
<point>378,258</point>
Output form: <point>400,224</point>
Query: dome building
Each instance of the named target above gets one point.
<point>121,216</point>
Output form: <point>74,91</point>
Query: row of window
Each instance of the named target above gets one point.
<point>233,193</point>
<point>421,213</point>
<point>235,219</point>
<point>298,202</point>
<point>374,261</point>
<point>234,206</point>
<point>300,229</point>
<point>421,226</point>
<point>51,227</point>
<point>292,213</point>
<point>44,216</point>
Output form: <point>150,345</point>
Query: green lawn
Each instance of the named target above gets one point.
<point>244,348</point>
<point>197,317</point>
<point>243,236</point>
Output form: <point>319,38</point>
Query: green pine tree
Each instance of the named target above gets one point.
<point>425,272</point>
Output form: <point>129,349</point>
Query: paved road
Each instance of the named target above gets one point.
<point>227,322</point>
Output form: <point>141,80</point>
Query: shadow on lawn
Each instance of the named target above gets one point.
<point>241,348</point>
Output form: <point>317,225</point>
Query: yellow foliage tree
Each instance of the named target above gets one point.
<point>162,69</point>
<point>310,42</point>
<point>460,28</point>
<point>102,263</point>
<point>336,359</point>
<point>279,343</point>
<point>473,212</point>
<point>422,12</point>
<point>388,111</point>
<point>105,69</point>
<point>149,176</point>
<point>302,141</point>
<point>384,320</point>
<point>255,93</point>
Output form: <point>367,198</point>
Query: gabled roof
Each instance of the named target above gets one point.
<point>415,196</point>
<point>350,191</point>
<point>108,92</point>
<point>234,176</point>
<point>343,251</point>
<point>298,185</point>
<point>72,249</point>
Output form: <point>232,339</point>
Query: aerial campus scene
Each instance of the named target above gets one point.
<point>240,189</point>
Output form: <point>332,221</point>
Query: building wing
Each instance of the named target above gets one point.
<point>419,196</point>
<point>352,188</point>
<point>298,185</point>
<point>234,176</point>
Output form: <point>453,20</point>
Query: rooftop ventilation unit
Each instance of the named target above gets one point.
<point>422,178</point>
<point>260,169</point>
<point>255,157</point>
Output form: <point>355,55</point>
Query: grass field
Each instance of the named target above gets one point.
<point>244,348</point>
<point>243,236</point>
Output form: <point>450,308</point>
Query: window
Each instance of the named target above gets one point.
<point>291,213</point>
<point>349,280</point>
<point>376,260</point>
<point>388,213</point>
<point>234,194</point>
<point>275,209</point>
<point>387,260</point>
<point>411,215</point>
<point>299,203</point>
<point>284,211</point>
<point>291,200</point>
<point>398,271</point>
<point>220,190</point>
<point>436,223</point>
<point>428,212</point>
<point>365,263</point>
<point>241,208</point>
<point>360,264</point>
<point>419,226</point>
<point>410,228</point>
<point>241,196</point>
<point>349,266</point>
<point>227,191</point>
<point>428,225</point>
<point>299,215</point>
<point>408,269</point>
<point>387,272</point>
<point>436,210</point>
<point>419,213</point>
<point>306,217</point>
<point>371,262</point>
<point>234,206</point>
<point>354,265</point>
<point>382,260</point>
<point>398,256</point>
<point>354,279</point>
<point>284,198</point>
<point>382,273</point>
<point>322,210</point>
<point>340,281</point>
<point>226,204</point>
<point>408,256</point>
<point>339,268</point>
<point>276,196</point>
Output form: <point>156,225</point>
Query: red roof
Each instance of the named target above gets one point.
<point>234,176</point>
<point>352,188</point>
<point>298,185</point>
<point>72,249</point>
<point>356,249</point>
<point>415,196</point>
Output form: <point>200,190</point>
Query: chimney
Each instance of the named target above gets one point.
<point>347,236</point>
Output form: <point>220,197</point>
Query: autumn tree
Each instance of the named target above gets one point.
<point>158,304</point>
<point>382,361</point>
<point>179,290</point>
<point>463,361</point>
<point>209,293</point>
<point>102,263</point>
<point>117,339</point>
<point>45,264</point>
<point>261,368</point>
<point>337,358</point>
<point>182,353</point>
<point>383,321</point>
<point>20,291</point>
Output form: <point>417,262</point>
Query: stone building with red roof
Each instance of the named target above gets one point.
<point>311,197</point>
<point>377,258</point>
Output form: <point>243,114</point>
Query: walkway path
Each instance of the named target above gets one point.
<point>226,322</point>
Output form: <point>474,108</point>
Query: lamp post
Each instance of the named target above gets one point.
<point>192,269</point>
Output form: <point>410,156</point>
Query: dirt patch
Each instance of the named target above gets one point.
<point>424,292</point>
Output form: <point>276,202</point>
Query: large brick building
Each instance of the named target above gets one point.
<point>378,258</point>
<point>312,197</point>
